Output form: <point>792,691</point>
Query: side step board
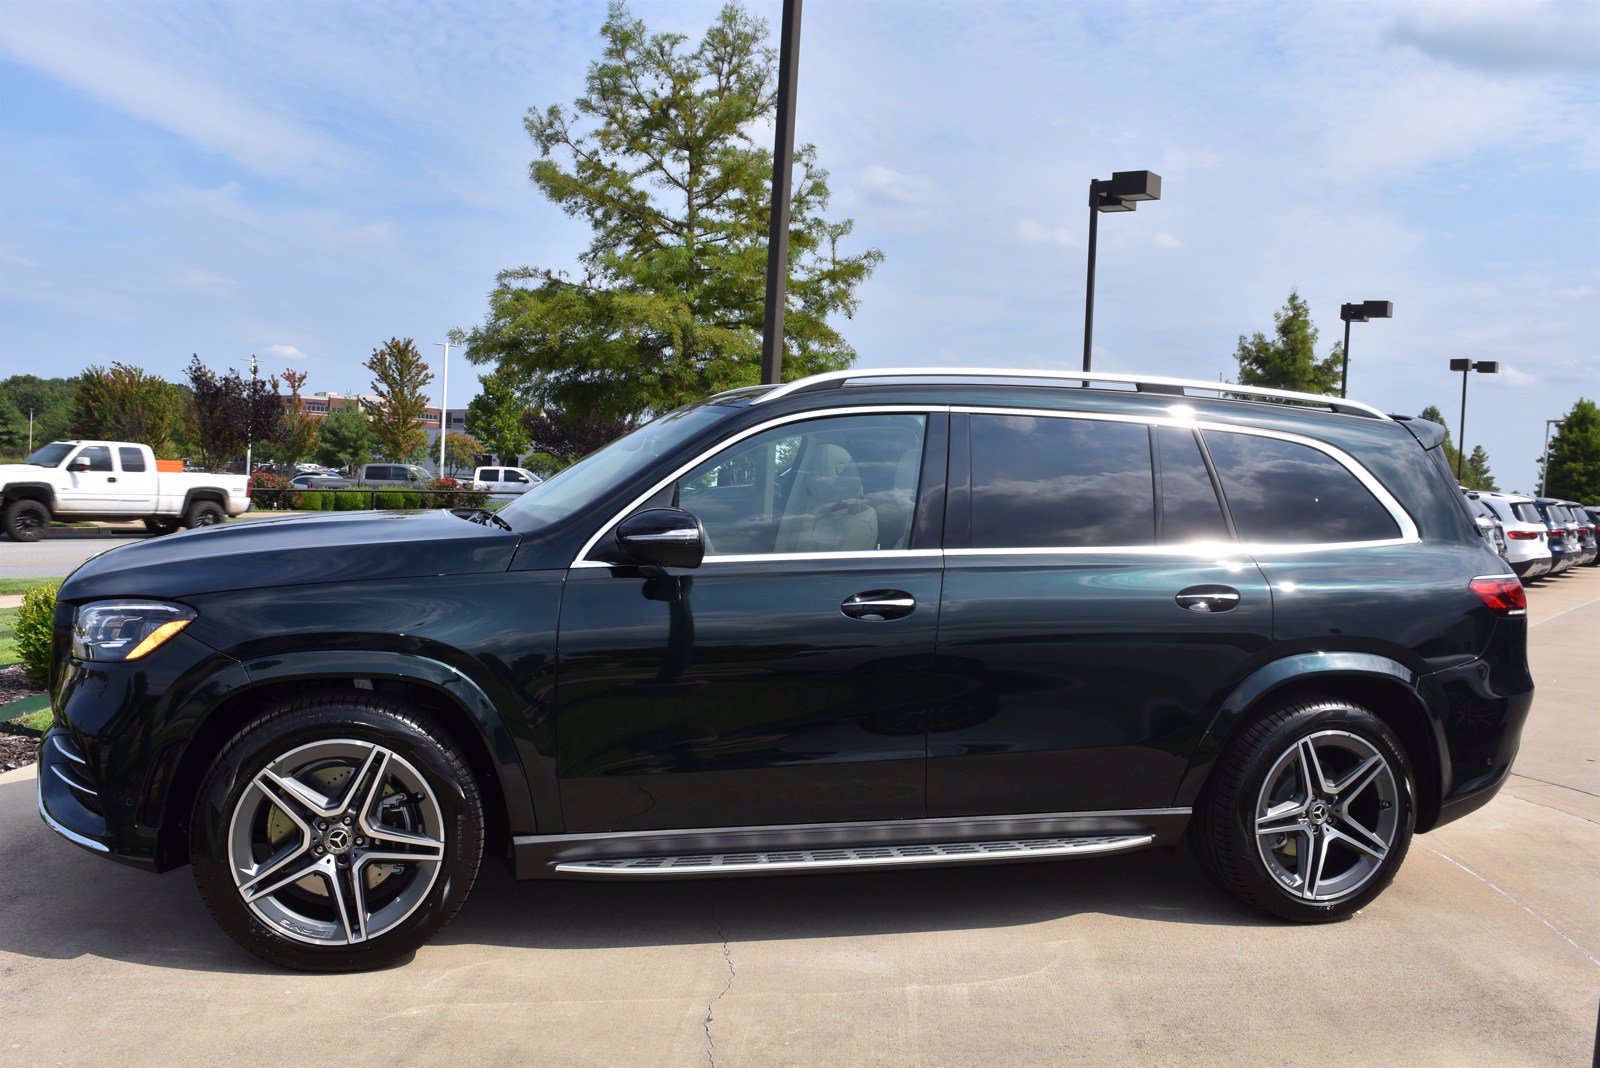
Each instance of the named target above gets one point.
<point>798,861</point>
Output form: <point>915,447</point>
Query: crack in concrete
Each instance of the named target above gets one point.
<point>1558,931</point>
<point>727,958</point>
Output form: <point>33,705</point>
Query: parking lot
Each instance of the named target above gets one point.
<point>1485,950</point>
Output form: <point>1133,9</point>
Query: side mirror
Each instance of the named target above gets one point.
<point>80,463</point>
<point>663,537</point>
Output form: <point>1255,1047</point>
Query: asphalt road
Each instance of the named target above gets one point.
<point>59,552</point>
<point>1486,950</point>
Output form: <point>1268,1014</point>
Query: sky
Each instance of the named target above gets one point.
<point>303,181</point>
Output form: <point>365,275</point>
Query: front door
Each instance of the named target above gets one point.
<point>92,483</point>
<point>1092,609</point>
<point>785,680</point>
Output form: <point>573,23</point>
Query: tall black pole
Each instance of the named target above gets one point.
<point>1088,293</point>
<point>1344,371</point>
<point>1461,427</point>
<point>782,177</point>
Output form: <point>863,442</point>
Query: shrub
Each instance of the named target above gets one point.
<point>275,499</point>
<point>398,500</point>
<point>352,500</point>
<point>35,620</point>
<point>312,501</point>
<point>455,495</point>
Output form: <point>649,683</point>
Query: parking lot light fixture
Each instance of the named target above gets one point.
<point>1359,313</point>
<point>1485,367</point>
<point>1121,192</point>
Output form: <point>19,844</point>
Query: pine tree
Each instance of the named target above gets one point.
<point>1288,359</point>
<point>660,157</point>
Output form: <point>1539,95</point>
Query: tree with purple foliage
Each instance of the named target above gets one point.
<point>224,407</point>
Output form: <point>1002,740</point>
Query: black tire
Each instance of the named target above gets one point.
<point>26,520</point>
<point>304,924</point>
<point>1262,773</point>
<point>204,514</point>
<point>159,527</point>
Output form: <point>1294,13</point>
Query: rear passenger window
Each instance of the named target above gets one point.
<point>1190,510</point>
<point>1285,492</point>
<point>1043,482</point>
<point>132,459</point>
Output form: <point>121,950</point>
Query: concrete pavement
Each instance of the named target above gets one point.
<point>1485,950</point>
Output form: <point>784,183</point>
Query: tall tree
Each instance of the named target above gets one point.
<point>1288,360</point>
<point>299,429</point>
<point>1575,455</point>
<point>125,403</point>
<point>566,439</point>
<point>227,412</point>
<point>496,416</point>
<point>461,452</point>
<point>398,377</point>
<point>1433,415</point>
<point>659,156</point>
<point>1475,472</point>
<point>345,439</point>
<point>51,402</point>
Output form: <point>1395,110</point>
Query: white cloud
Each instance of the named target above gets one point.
<point>288,352</point>
<point>1166,240</point>
<point>1031,232</point>
<point>885,184</point>
<point>1516,377</point>
<point>1522,37</point>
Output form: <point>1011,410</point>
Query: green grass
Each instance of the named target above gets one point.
<point>14,586</point>
<point>8,636</point>
<point>31,712</point>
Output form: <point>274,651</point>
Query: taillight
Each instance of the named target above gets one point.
<point>1522,535</point>
<point>1501,594</point>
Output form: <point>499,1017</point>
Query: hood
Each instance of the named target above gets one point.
<point>294,551</point>
<point>23,473</point>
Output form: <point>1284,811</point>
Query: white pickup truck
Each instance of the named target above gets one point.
<point>115,480</point>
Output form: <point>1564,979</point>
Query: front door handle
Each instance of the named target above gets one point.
<point>879,605</point>
<point>113,478</point>
<point>1208,598</point>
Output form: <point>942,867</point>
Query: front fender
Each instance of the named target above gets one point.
<point>1304,670</point>
<point>450,682</point>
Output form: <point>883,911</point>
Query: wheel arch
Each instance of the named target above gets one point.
<point>444,693</point>
<point>1390,690</point>
<point>42,492</point>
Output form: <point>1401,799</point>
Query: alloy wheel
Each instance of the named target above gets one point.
<point>1326,816</point>
<point>336,842</point>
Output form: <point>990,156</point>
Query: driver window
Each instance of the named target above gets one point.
<point>99,457</point>
<point>840,484</point>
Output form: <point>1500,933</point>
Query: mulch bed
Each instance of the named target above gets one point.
<point>17,752</point>
<point>12,686</point>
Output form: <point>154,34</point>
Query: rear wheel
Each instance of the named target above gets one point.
<point>337,834</point>
<point>1310,812</point>
<point>204,514</point>
<point>26,520</point>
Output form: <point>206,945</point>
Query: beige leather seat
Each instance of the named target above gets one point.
<point>825,511</point>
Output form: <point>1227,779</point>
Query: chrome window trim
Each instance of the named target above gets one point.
<point>1408,527</point>
<point>582,557</point>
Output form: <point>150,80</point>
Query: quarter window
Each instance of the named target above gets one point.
<point>1288,493</point>
<point>132,459</point>
<point>1040,482</point>
<point>839,484</point>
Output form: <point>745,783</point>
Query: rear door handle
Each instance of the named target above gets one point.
<point>879,605</point>
<point>1208,598</point>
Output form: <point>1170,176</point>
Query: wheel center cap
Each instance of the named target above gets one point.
<point>1319,813</point>
<point>337,840</point>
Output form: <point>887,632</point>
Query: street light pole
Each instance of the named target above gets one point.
<point>1121,192</point>
<point>444,400</point>
<point>1544,465</point>
<point>250,419</point>
<point>1358,313</point>
<point>30,431</point>
<point>782,177</point>
<point>1487,367</point>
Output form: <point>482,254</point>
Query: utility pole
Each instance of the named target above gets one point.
<point>30,431</point>
<point>250,420</point>
<point>444,400</point>
<point>1544,465</point>
<point>782,177</point>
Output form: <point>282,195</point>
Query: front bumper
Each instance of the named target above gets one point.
<point>108,763</point>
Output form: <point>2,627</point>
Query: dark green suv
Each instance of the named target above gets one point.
<point>875,618</point>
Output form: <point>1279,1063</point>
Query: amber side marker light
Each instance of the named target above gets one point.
<point>156,638</point>
<point>1502,594</point>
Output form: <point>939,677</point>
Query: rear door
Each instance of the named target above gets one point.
<point>136,482</point>
<point>1094,606</point>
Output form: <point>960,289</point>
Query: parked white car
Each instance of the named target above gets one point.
<point>505,483</point>
<point>1526,549</point>
<point>115,480</point>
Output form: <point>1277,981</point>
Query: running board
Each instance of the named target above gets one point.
<point>810,860</point>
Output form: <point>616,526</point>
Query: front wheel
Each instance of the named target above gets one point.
<point>26,520</point>
<point>1310,812</point>
<point>337,834</point>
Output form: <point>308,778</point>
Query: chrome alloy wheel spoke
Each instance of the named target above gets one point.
<point>1312,860</point>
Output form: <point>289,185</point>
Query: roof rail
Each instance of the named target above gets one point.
<point>1143,383</point>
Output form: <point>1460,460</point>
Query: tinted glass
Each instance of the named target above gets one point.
<point>1048,482</point>
<point>1190,510</point>
<point>491,474</point>
<point>51,455</point>
<point>99,457</point>
<point>1526,512</point>
<point>132,459</point>
<point>1285,492</point>
<point>515,476</point>
<point>842,484</point>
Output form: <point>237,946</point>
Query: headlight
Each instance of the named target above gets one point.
<point>125,630</point>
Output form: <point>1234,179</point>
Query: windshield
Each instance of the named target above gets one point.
<point>51,455</point>
<point>602,471</point>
